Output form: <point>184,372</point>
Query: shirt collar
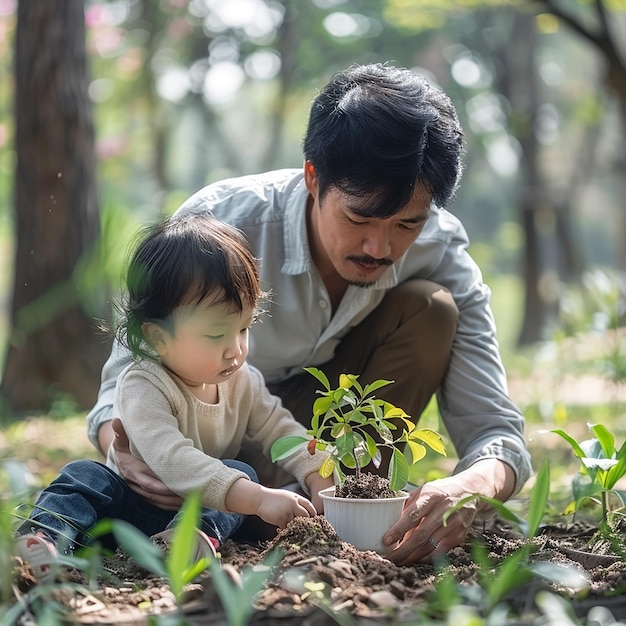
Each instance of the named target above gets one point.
<point>297,254</point>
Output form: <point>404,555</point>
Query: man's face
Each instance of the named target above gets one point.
<point>355,247</point>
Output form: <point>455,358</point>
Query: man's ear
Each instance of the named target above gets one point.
<point>310,178</point>
<point>156,336</point>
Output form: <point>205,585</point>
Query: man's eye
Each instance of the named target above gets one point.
<point>354,221</point>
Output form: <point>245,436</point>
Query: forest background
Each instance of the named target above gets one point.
<point>113,112</point>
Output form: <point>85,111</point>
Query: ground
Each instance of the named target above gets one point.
<point>318,571</point>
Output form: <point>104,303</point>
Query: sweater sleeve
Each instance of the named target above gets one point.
<point>270,421</point>
<point>154,415</point>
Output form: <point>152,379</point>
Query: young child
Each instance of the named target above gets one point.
<point>186,403</point>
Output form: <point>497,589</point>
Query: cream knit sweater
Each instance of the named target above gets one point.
<point>182,439</point>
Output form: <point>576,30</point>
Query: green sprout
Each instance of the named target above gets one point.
<point>602,466</point>
<point>344,423</point>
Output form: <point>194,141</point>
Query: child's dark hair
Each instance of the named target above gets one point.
<point>181,261</point>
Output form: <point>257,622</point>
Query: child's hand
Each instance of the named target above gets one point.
<point>315,483</point>
<point>279,507</point>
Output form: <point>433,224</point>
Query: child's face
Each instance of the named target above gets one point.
<point>209,343</point>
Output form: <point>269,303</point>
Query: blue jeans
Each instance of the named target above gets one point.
<point>86,492</point>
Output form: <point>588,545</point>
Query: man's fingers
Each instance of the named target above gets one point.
<point>121,438</point>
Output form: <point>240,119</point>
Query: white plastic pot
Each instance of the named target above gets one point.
<point>362,521</point>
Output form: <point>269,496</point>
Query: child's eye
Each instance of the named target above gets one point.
<point>214,337</point>
<point>244,330</point>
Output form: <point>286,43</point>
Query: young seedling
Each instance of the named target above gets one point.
<point>602,463</point>
<point>342,425</point>
<point>177,567</point>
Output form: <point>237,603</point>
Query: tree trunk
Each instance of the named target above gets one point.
<point>54,348</point>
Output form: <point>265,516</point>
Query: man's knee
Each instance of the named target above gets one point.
<point>419,299</point>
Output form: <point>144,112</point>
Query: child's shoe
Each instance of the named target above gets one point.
<point>39,552</point>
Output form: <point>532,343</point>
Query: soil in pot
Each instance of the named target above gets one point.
<point>366,486</point>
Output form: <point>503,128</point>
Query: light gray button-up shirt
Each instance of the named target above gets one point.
<point>300,330</point>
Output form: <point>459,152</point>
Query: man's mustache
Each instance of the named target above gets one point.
<point>369,260</point>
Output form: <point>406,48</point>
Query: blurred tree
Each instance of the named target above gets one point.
<point>501,37</point>
<point>54,349</point>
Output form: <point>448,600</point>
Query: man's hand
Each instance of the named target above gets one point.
<point>138,475</point>
<point>420,530</point>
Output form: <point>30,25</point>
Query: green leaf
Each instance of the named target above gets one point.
<point>430,438</point>
<point>606,439</point>
<point>237,599</point>
<point>321,405</point>
<point>139,547</point>
<point>615,473</point>
<point>348,460</point>
<point>345,382</point>
<point>398,471</point>
<point>327,468</point>
<point>538,499</point>
<point>578,451</point>
<point>178,559</point>
<point>418,451</point>
<point>377,384</point>
<point>286,446</point>
<point>393,412</point>
<point>341,430</point>
<point>319,375</point>
<point>372,446</point>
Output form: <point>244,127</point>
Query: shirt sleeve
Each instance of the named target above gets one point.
<point>102,411</point>
<point>149,413</point>
<point>478,413</point>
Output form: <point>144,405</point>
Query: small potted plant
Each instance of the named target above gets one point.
<point>353,428</point>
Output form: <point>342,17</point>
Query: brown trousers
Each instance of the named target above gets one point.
<point>407,339</point>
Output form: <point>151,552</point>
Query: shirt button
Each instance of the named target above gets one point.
<point>323,304</point>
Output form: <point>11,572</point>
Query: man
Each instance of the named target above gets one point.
<point>370,275</point>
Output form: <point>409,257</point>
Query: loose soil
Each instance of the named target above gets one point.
<point>318,572</point>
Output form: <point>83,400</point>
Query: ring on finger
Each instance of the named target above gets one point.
<point>433,542</point>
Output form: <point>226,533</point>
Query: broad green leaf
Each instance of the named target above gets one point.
<point>348,460</point>
<point>327,468</point>
<point>319,375</point>
<point>430,438</point>
<point>340,430</point>
<point>606,439</point>
<point>615,473</point>
<point>418,451</point>
<point>398,471</point>
<point>392,412</point>
<point>357,417</point>
<point>321,405</point>
<point>286,446</point>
